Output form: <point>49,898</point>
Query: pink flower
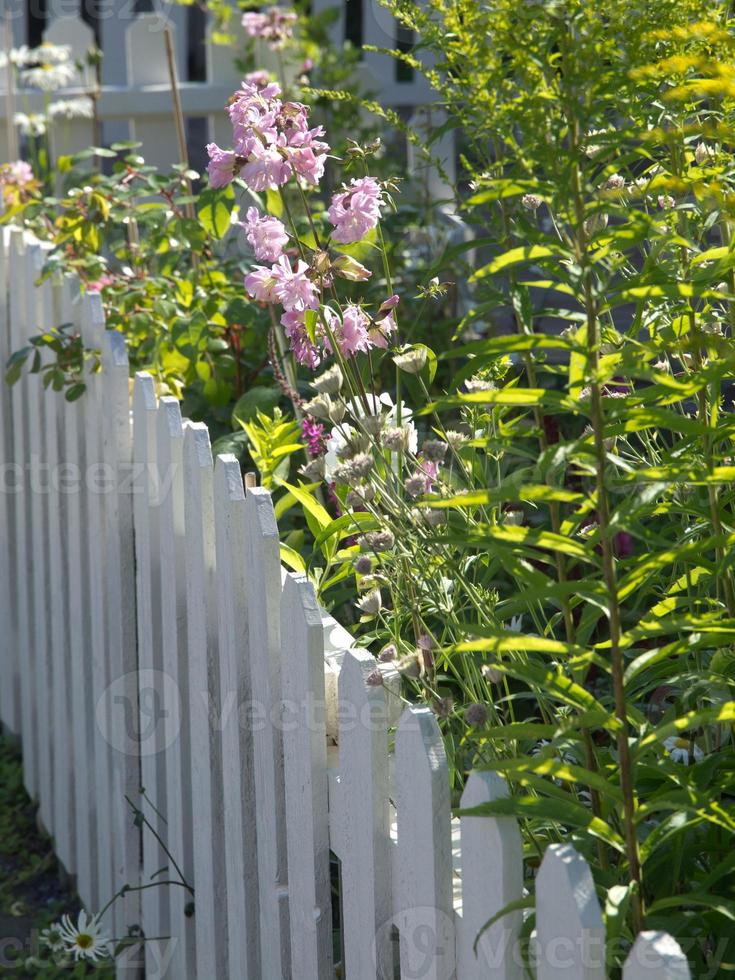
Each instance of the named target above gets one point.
<point>273,25</point>
<point>304,350</point>
<point>267,235</point>
<point>293,287</point>
<point>260,283</point>
<point>262,80</point>
<point>266,169</point>
<point>381,330</point>
<point>222,165</point>
<point>351,332</point>
<point>20,173</point>
<point>355,210</point>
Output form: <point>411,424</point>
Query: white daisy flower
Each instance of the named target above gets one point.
<point>48,77</point>
<point>680,748</point>
<point>31,124</point>
<point>16,56</point>
<point>85,939</point>
<point>52,938</point>
<point>50,54</point>
<point>71,108</point>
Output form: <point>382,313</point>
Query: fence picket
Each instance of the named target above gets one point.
<point>424,861</point>
<point>240,837</point>
<point>53,408</point>
<point>363,785</point>
<point>38,538</point>
<point>93,489</point>
<point>151,690</point>
<point>570,935</point>
<point>656,956</point>
<point>10,686</point>
<point>177,758</point>
<point>264,631</point>
<point>204,711</point>
<point>21,597</point>
<point>492,877</point>
<point>75,546</point>
<point>120,635</point>
<point>305,772</point>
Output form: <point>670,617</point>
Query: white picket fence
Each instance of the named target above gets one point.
<point>149,638</point>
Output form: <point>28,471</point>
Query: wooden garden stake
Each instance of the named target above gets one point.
<point>12,136</point>
<point>178,115</point>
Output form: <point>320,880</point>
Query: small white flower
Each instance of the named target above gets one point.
<point>48,77</point>
<point>33,124</point>
<point>703,153</point>
<point>531,202</point>
<point>16,56</point>
<point>679,749</point>
<point>85,939</point>
<point>52,938</point>
<point>71,109</point>
<point>516,624</point>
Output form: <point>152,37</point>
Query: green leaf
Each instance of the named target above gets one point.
<point>515,256</point>
<point>554,811</point>
<point>309,503</point>
<point>257,399</point>
<point>214,211</point>
<point>557,769</point>
<point>292,558</point>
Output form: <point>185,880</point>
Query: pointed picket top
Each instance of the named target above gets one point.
<point>76,34</point>
<point>492,877</point>
<point>365,817</point>
<point>656,956</point>
<point>145,50</point>
<point>305,771</point>
<point>92,316</point>
<point>570,935</point>
<point>264,630</point>
<point>424,888</point>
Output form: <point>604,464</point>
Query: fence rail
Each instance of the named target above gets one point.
<point>153,650</point>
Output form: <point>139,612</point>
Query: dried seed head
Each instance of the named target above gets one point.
<point>363,565</point>
<point>380,540</point>
<point>531,202</point>
<point>443,707</point>
<point>415,485</point>
<point>409,666</point>
<point>491,674</point>
<point>396,439</point>
<point>337,411</point>
<point>374,678</point>
<point>314,470</point>
<point>360,496</point>
<point>362,464</point>
<point>434,450</point>
<point>476,715</point>
<point>388,653</point>
<point>456,439</point>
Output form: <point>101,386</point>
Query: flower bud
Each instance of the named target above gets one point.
<point>411,359</point>
<point>337,412</point>
<point>434,450</point>
<point>374,678</point>
<point>319,407</point>
<point>531,202</point>
<point>313,471</point>
<point>388,653</point>
<point>363,565</point>
<point>596,222</point>
<point>703,153</point>
<point>396,439</point>
<point>409,666</point>
<point>379,540</point>
<point>371,603</point>
<point>491,674</point>
<point>329,383</point>
<point>349,268</point>
<point>476,715</point>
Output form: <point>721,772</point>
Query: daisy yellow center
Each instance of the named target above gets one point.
<point>84,940</point>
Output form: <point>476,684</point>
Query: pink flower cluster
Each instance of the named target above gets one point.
<point>272,140</point>
<point>267,235</point>
<point>355,210</point>
<point>19,173</point>
<point>273,25</point>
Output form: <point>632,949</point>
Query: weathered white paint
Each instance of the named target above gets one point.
<point>151,690</point>
<point>240,837</point>
<point>656,956</point>
<point>423,891</point>
<point>204,708</point>
<point>264,632</point>
<point>175,680</point>
<point>570,936</point>
<point>492,877</point>
<point>305,771</point>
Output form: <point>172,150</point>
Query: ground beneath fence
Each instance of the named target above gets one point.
<point>32,892</point>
